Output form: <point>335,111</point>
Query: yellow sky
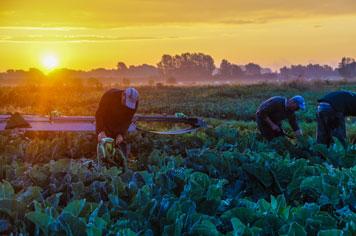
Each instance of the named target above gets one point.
<point>87,34</point>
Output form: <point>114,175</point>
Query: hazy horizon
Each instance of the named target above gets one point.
<point>114,67</point>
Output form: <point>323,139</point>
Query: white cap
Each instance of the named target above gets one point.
<point>131,98</point>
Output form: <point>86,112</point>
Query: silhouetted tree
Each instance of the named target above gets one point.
<point>140,71</point>
<point>228,70</point>
<point>253,69</point>
<point>311,71</point>
<point>121,67</point>
<point>187,66</point>
<point>347,68</point>
<point>35,76</point>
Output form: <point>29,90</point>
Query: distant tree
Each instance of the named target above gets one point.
<point>143,71</point>
<point>347,68</point>
<point>229,70</point>
<point>311,71</point>
<point>166,65</point>
<point>187,66</point>
<point>121,67</point>
<point>225,69</point>
<point>101,73</point>
<point>65,74</point>
<point>35,76</point>
<point>253,69</point>
<point>16,74</point>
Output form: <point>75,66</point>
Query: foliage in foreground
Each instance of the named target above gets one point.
<point>221,181</point>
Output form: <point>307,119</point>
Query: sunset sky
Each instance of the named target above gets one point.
<point>85,34</point>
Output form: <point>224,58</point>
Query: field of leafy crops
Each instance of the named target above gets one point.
<point>223,180</point>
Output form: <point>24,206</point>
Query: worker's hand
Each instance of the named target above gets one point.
<point>101,135</point>
<point>276,128</point>
<point>119,139</point>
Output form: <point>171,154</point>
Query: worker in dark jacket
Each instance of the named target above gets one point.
<point>331,112</point>
<point>115,113</point>
<point>273,111</point>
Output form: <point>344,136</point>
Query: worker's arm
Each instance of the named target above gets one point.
<point>294,124</point>
<point>131,124</point>
<point>274,126</point>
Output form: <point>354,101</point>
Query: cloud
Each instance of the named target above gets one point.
<point>113,13</point>
<point>34,28</point>
<point>243,22</point>
<point>69,38</point>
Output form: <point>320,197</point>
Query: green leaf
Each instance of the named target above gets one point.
<point>75,207</point>
<point>264,205</point>
<point>296,229</point>
<point>174,212</point>
<point>174,229</point>
<point>142,198</point>
<point>126,232</point>
<point>30,194</point>
<point>39,175</point>
<point>6,190</point>
<point>246,215</point>
<point>238,226</point>
<point>147,177</point>
<point>61,166</point>
<point>274,203</point>
<point>93,231</point>
<point>206,228</point>
<point>78,190</point>
<point>313,182</point>
<point>197,186</point>
<point>73,226</point>
<point>215,191</point>
<point>41,220</point>
<point>99,222</point>
<point>260,173</point>
<point>118,186</point>
<point>53,200</point>
<point>330,232</point>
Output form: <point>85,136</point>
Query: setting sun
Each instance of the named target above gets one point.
<point>50,62</point>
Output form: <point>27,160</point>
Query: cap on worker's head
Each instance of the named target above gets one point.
<point>299,100</point>
<point>131,98</point>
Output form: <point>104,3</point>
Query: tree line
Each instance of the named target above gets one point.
<point>192,67</point>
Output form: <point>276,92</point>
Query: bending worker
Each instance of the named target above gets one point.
<point>331,112</point>
<point>273,111</point>
<point>115,113</point>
